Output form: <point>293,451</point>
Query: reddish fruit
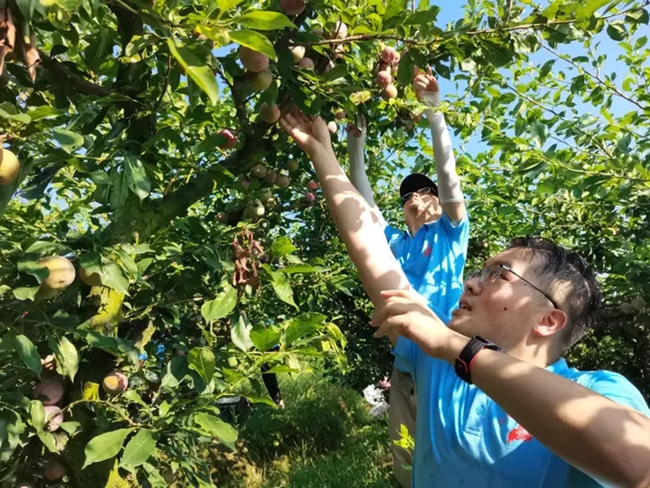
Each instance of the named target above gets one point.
<point>49,392</point>
<point>282,181</point>
<point>293,7</point>
<point>252,60</point>
<point>230,139</point>
<point>270,113</point>
<point>271,176</point>
<point>298,52</point>
<point>259,170</point>
<point>340,31</point>
<point>292,165</point>
<point>307,64</point>
<point>384,79</point>
<point>245,184</point>
<point>331,126</point>
<point>262,80</point>
<point>53,417</point>
<point>115,383</point>
<point>222,217</point>
<point>390,55</point>
<point>329,66</point>
<point>312,185</point>
<point>54,470</point>
<point>310,197</point>
<point>339,115</point>
<point>389,92</point>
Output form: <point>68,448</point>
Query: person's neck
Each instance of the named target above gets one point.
<point>537,355</point>
<point>414,225</point>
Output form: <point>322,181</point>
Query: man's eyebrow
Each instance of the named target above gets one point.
<point>501,261</point>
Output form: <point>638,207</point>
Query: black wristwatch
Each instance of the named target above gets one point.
<point>464,361</point>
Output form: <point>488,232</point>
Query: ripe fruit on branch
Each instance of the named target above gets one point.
<point>390,55</point>
<point>384,79</point>
<point>312,185</point>
<point>293,7</point>
<point>339,115</point>
<point>259,170</point>
<point>270,113</point>
<point>49,392</point>
<point>328,66</point>
<point>298,52</point>
<point>271,176</point>
<point>292,165</point>
<point>282,181</point>
<point>9,167</point>
<point>230,139</point>
<point>245,184</point>
<point>54,470</point>
<point>222,217</point>
<point>306,64</point>
<point>62,274</point>
<point>626,308</point>
<point>262,80</point>
<point>389,92</point>
<point>252,60</point>
<point>638,303</point>
<point>265,195</point>
<point>332,127</point>
<point>53,417</point>
<point>115,383</point>
<point>310,197</point>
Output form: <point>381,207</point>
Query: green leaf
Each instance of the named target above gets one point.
<point>105,446</point>
<point>640,16</point>
<point>241,332</point>
<point>616,30</point>
<point>201,360</point>
<point>68,140</point>
<point>221,306</point>
<point>37,414</point>
<point>28,353</point>
<point>264,20</point>
<point>303,269</point>
<point>216,427</point>
<point>282,246</point>
<point>113,277</point>
<point>301,326</point>
<point>226,5</point>
<point>22,118</point>
<point>91,262</point>
<point>338,71</point>
<point>48,440</point>
<point>26,292</point>
<point>283,291</point>
<point>220,36</point>
<point>200,73</point>
<point>254,40</point>
<point>176,371</point>
<point>67,357</point>
<point>120,190</point>
<point>71,427</point>
<point>139,449</point>
<point>137,177</point>
<point>265,338</point>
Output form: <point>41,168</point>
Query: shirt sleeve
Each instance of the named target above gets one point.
<point>617,388</point>
<point>391,233</point>
<point>457,233</point>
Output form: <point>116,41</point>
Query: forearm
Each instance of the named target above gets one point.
<point>360,230</point>
<point>608,441</point>
<point>358,175</point>
<point>443,153</point>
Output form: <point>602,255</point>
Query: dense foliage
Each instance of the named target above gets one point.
<point>191,239</point>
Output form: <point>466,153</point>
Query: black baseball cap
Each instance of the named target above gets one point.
<point>416,182</point>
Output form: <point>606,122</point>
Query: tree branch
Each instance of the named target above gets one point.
<point>77,82</point>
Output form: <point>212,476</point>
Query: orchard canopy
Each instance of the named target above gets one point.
<point>160,235</point>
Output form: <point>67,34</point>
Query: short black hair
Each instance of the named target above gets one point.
<point>567,274</point>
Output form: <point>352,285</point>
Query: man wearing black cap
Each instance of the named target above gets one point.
<point>432,252</point>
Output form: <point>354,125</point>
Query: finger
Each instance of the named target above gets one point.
<point>286,126</point>
<point>363,121</point>
<point>429,72</point>
<point>416,71</point>
<point>303,118</point>
<point>290,118</point>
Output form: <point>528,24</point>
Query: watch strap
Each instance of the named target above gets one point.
<point>463,363</point>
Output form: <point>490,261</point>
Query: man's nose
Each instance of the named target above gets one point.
<point>472,285</point>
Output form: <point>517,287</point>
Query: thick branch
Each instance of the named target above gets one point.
<point>77,82</point>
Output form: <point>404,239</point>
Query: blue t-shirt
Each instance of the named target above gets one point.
<point>464,439</point>
<point>433,261</point>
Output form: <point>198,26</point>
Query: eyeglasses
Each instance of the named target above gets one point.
<point>423,191</point>
<point>489,274</point>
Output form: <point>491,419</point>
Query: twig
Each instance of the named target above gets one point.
<point>506,19</point>
<point>78,83</point>
<point>107,405</point>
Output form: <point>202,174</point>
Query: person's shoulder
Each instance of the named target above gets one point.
<point>612,385</point>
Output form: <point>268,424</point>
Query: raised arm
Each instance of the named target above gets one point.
<point>358,176</point>
<point>450,192</point>
<point>358,226</point>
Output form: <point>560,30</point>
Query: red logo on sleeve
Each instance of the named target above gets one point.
<point>427,251</point>
<point>519,434</point>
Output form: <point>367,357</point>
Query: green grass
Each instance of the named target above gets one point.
<point>325,438</point>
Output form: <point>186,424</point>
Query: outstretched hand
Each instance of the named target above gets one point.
<point>426,86</point>
<point>311,135</point>
<point>408,314</point>
<point>357,130</point>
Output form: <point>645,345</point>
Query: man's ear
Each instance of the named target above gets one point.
<point>551,323</point>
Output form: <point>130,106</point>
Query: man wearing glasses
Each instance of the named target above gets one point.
<point>498,406</point>
<point>431,253</point>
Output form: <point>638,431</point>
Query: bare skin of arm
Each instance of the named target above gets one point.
<point>358,226</point>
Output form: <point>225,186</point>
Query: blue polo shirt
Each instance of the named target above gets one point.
<point>433,261</point>
<point>464,439</point>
